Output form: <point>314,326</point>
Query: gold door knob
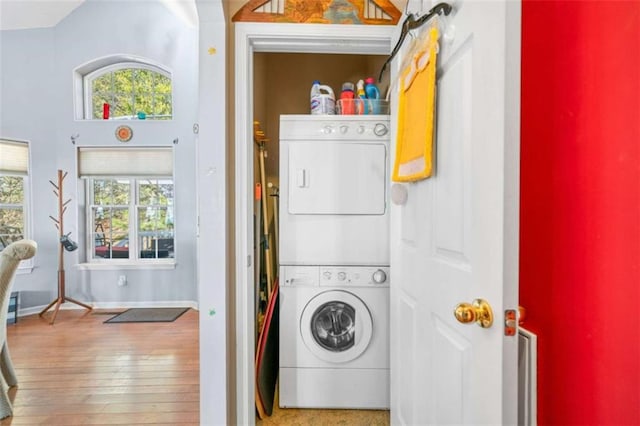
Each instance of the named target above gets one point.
<point>478,311</point>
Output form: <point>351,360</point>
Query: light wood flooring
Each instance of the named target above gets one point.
<point>81,371</point>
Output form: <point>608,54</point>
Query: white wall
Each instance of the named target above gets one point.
<point>37,105</point>
<point>26,76</point>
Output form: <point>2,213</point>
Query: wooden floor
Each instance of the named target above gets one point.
<point>83,372</point>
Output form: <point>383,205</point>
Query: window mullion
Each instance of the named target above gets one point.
<point>91,240</point>
<point>26,210</point>
<point>112,95</point>
<point>153,94</point>
<point>134,108</point>
<point>133,220</point>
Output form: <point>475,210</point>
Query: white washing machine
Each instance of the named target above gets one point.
<point>334,337</point>
<point>334,261</point>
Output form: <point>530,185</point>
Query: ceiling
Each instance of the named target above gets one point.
<point>25,14</point>
<point>20,14</point>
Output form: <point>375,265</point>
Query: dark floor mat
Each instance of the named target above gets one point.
<point>148,315</point>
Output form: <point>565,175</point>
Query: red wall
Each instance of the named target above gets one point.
<point>580,207</point>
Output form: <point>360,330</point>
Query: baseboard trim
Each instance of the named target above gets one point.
<point>114,305</point>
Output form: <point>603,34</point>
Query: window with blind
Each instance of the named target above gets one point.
<point>130,206</point>
<point>14,175</point>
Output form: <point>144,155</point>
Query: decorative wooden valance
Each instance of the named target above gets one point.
<point>358,12</point>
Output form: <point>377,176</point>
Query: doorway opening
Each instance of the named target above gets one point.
<point>258,48</point>
<point>282,82</point>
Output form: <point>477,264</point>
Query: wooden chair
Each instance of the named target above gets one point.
<point>10,258</point>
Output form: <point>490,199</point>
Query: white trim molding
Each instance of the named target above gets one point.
<point>249,39</point>
<point>216,335</point>
<point>115,305</point>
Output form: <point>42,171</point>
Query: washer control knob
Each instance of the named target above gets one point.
<point>342,276</point>
<point>380,129</point>
<point>344,129</point>
<point>327,130</point>
<point>326,275</point>
<point>360,130</point>
<point>379,276</point>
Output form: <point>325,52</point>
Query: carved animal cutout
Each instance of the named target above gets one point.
<point>362,12</point>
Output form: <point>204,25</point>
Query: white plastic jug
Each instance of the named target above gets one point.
<point>323,100</point>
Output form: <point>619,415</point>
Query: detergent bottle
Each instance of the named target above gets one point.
<point>373,94</point>
<point>347,103</point>
<point>323,101</point>
<point>361,96</point>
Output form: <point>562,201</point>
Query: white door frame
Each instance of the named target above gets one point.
<point>249,39</point>
<point>212,235</point>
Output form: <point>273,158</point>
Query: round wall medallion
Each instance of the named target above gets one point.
<point>124,133</point>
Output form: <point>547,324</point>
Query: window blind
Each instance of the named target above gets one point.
<point>14,157</point>
<point>118,162</point>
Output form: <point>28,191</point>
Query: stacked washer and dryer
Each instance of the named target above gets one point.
<point>334,261</point>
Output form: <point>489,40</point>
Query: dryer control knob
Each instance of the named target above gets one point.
<point>327,275</point>
<point>360,130</point>
<point>380,129</point>
<point>342,276</point>
<point>344,129</point>
<point>379,276</point>
<point>327,130</point>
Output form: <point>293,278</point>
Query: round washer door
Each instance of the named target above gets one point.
<point>336,326</point>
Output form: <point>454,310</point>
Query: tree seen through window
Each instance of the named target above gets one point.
<point>132,93</point>
<point>12,220</point>
<point>118,232</point>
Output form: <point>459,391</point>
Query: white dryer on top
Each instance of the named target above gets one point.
<point>334,174</point>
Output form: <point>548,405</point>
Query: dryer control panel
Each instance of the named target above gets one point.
<point>334,127</point>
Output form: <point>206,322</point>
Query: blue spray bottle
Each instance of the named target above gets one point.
<point>373,94</point>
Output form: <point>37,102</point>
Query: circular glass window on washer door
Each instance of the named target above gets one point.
<point>336,326</point>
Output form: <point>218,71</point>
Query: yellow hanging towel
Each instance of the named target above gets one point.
<point>414,144</point>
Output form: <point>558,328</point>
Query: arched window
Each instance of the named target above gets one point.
<point>128,90</point>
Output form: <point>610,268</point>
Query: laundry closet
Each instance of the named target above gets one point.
<point>326,189</point>
<point>452,241</point>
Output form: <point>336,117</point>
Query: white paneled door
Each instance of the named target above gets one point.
<point>454,237</point>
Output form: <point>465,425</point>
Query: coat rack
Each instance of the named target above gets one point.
<point>64,243</point>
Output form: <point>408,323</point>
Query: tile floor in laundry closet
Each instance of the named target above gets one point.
<point>318,417</point>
